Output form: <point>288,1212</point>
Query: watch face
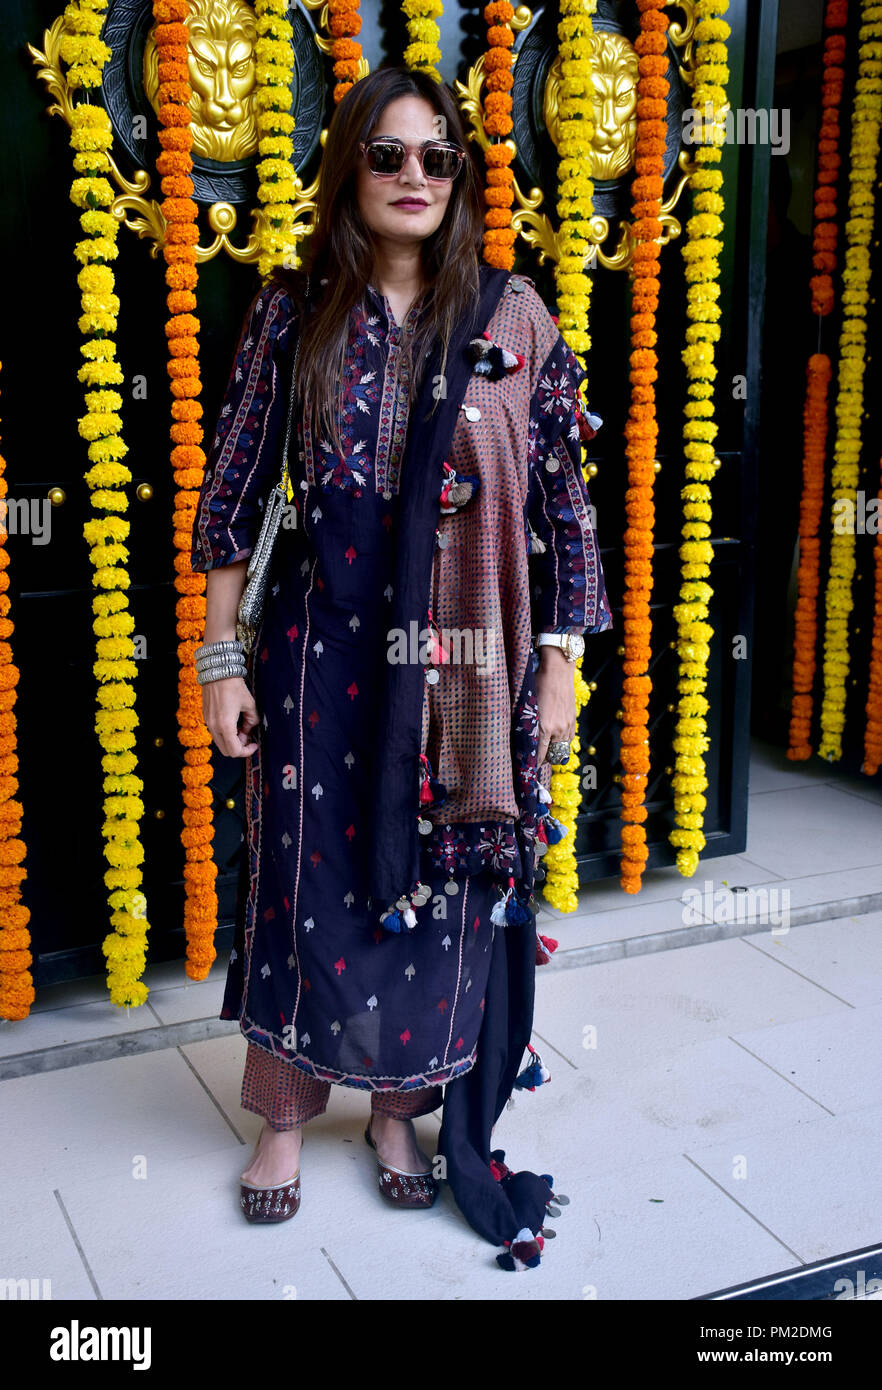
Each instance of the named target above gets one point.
<point>576,644</point>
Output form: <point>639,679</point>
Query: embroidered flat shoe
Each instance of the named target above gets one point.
<point>277,1203</point>
<point>399,1188</point>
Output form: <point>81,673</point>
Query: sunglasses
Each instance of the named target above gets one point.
<point>386,157</point>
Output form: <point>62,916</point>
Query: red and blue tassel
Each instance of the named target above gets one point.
<point>457,489</point>
<point>492,360</point>
<point>534,1074</point>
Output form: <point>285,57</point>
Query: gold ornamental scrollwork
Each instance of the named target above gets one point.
<point>613,148</point>
<point>222,70</point>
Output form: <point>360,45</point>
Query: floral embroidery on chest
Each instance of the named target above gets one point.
<point>373,419</point>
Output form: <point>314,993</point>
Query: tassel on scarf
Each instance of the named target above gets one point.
<point>457,489</point>
<point>523,1253</point>
<point>588,424</point>
<point>534,1074</point>
<point>432,792</point>
<point>530,1195</point>
<point>392,920</point>
<point>543,794</point>
<point>535,544</point>
<point>509,911</point>
<point>545,945</point>
<point>492,360</point>
<point>402,917</point>
<point>516,912</point>
<point>555,830</point>
<point>497,916</point>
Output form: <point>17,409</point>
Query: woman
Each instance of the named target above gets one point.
<point>393,713</point>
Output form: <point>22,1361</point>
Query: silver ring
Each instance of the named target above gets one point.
<point>558,752</point>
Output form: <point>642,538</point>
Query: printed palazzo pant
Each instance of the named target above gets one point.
<point>287,1097</point>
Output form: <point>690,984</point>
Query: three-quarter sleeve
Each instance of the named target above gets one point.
<point>568,592</point>
<point>244,457</point>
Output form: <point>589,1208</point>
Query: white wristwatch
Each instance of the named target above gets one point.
<point>572,644</point>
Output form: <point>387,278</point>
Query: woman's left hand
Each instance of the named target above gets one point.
<point>556,695</point>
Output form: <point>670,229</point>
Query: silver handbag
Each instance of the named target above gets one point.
<point>253,597</point>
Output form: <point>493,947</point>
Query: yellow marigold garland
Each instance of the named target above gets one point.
<point>188,459</point>
<point>344,22</point>
<point>423,51</point>
<point>115,722</point>
<point>575,208</point>
<point>16,980</point>
<point>818,376</point>
<point>641,433</point>
<point>277,188</point>
<point>499,236</point>
<point>701,253</point>
<point>859,229</point>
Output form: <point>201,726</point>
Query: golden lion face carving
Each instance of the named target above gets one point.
<point>222,69</point>
<point>615,74</point>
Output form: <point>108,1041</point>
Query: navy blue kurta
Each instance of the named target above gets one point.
<point>313,978</point>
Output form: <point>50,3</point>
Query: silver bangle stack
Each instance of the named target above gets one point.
<point>216,661</point>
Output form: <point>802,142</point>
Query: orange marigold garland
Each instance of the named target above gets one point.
<point>816,425</point>
<point>343,23</point>
<point>818,376</point>
<point>179,250</point>
<point>641,433</point>
<point>16,980</point>
<point>499,237</point>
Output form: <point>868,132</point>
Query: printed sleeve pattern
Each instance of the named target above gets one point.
<point>244,457</point>
<point>568,591</point>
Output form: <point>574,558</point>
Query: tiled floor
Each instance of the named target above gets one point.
<point>714,1113</point>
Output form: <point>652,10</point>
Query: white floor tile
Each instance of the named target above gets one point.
<point>815,1185</point>
<point>796,833</point>
<point>827,887</point>
<point>612,1242</point>
<point>844,956</point>
<point>639,919</point>
<point>772,771</point>
<point>93,1120</point>
<point>219,1062</point>
<point>582,1123</point>
<point>196,1000</point>
<point>833,1058</point>
<point>92,989</point>
<point>644,1007</point>
<point>76,1023</point>
<point>180,1234</point>
<point>37,1243</point>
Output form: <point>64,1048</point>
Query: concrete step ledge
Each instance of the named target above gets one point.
<point>198,1030</point>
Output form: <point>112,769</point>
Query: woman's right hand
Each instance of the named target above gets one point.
<point>224,702</point>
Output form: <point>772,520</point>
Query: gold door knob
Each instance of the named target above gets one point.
<point>143,492</point>
<point>57,496</point>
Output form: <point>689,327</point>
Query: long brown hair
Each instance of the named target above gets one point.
<point>340,249</point>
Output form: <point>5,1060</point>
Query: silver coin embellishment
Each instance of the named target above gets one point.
<point>451,887</point>
<point>431,677</point>
<point>387,496</point>
<point>472,412</point>
<point>443,542</point>
<point>425,827</point>
<point>552,465</point>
